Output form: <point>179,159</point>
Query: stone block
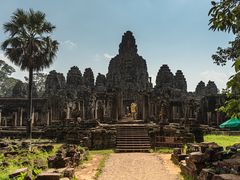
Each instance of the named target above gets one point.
<point>188,171</point>
<point>226,177</point>
<point>206,174</point>
<point>18,172</point>
<point>48,176</point>
<point>198,157</point>
<point>69,172</point>
<point>194,166</point>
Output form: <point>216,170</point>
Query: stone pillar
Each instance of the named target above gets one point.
<point>15,119</point>
<point>83,109</point>
<point>48,118</point>
<point>96,110</point>
<point>21,117</point>
<point>174,112</point>
<point>0,117</point>
<point>51,116</point>
<point>79,106</point>
<point>156,110</point>
<point>143,107</point>
<point>209,114</point>
<point>36,117</point>
<point>68,112</point>
<point>218,115</point>
<point>104,108</point>
<point>5,121</point>
<point>33,114</point>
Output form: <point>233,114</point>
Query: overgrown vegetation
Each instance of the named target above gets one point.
<point>34,159</point>
<point>222,140</point>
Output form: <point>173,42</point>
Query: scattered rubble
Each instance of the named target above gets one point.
<point>208,161</point>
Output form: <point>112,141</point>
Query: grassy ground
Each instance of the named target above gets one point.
<point>222,140</point>
<point>105,154</point>
<point>163,150</point>
<point>34,156</point>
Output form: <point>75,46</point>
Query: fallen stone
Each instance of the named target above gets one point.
<point>12,153</point>
<point>18,172</point>
<point>48,176</point>
<point>206,174</point>
<point>69,172</point>
<point>226,177</point>
<point>197,157</point>
<point>3,144</point>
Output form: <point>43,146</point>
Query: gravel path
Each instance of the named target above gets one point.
<point>139,166</point>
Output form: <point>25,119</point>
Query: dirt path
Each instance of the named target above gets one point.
<point>139,166</point>
<point>88,170</point>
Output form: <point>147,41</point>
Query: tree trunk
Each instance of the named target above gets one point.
<point>29,120</point>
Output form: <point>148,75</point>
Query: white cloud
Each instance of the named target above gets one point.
<point>108,56</point>
<point>100,57</point>
<point>219,78</point>
<point>69,44</point>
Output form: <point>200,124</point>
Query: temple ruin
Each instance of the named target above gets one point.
<point>91,107</point>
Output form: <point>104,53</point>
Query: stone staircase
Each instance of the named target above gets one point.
<point>132,138</point>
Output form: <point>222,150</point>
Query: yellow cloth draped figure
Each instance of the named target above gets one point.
<point>134,110</point>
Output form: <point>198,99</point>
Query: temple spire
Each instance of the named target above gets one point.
<point>128,45</point>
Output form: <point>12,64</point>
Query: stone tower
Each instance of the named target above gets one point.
<point>180,81</point>
<point>164,78</point>
<point>127,71</point>
<point>200,89</point>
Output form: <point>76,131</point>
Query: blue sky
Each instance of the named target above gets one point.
<point>173,32</point>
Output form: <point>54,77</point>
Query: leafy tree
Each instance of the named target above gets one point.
<point>39,80</point>
<point>225,16</point>
<point>6,82</point>
<point>29,46</point>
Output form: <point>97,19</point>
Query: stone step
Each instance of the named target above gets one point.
<point>132,150</point>
<point>132,139</point>
<point>132,135</point>
<point>133,147</point>
<point>133,142</point>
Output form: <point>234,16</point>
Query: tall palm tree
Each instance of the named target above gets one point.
<point>29,46</point>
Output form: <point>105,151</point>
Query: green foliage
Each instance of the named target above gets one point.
<point>222,140</point>
<point>225,16</point>
<point>5,69</point>
<point>21,176</point>
<point>39,80</point>
<point>101,152</point>
<point>164,150</point>
<point>29,46</point>
<point>32,156</point>
<point>232,105</point>
<point>6,82</point>
<point>105,153</point>
<point>101,165</point>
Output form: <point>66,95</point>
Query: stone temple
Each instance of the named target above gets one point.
<point>92,111</point>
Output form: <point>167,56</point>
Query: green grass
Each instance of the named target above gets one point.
<point>101,152</point>
<point>222,140</point>
<point>163,150</point>
<point>15,162</point>
<point>105,153</point>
